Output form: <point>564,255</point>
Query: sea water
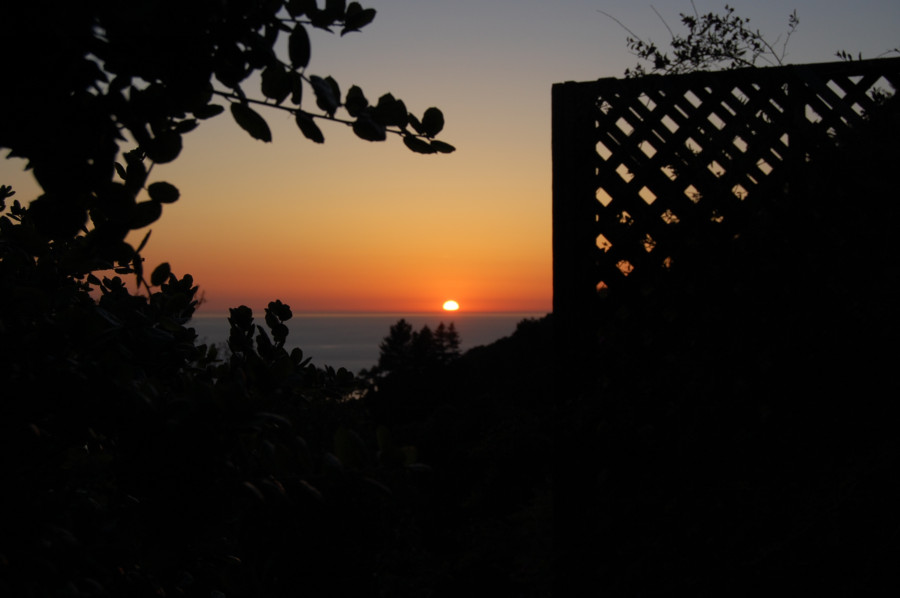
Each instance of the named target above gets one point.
<point>351,340</point>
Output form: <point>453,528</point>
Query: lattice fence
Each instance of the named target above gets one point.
<point>638,164</point>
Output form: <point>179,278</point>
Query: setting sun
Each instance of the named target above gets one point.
<point>451,305</point>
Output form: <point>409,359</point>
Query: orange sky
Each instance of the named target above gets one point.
<point>358,226</point>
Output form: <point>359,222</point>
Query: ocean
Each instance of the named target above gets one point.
<point>351,340</point>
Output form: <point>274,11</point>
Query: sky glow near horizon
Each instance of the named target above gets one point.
<point>358,226</point>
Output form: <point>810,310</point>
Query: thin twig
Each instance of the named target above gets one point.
<point>622,25</point>
<point>671,33</point>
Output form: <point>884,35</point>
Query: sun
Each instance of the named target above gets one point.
<point>451,305</point>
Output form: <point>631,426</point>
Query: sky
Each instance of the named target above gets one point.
<point>351,225</point>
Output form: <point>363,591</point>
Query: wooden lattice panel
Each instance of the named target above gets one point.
<point>677,153</point>
<point>641,165</point>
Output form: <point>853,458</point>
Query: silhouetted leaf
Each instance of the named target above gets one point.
<point>160,274</point>
<point>298,47</point>
<point>137,264</point>
<point>321,19</point>
<point>391,112</point>
<point>420,146</point>
<point>209,111</point>
<point>416,125</point>
<point>281,310</point>
<point>296,8</point>
<point>120,170</point>
<point>251,121</point>
<point>145,213</point>
<point>143,242</point>
<point>57,217</point>
<point>309,128</point>
<point>335,8</point>
<point>163,192</point>
<point>135,174</point>
<point>368,129</point>
<point>296,87</point>
<point>432,122</point>
<point>357,17</point>
<point>275,83</point>
<point>356,101</point>
<point>441,147</point>
<point>186,126</point>
<point>327,93</point>
<point>164,148</point>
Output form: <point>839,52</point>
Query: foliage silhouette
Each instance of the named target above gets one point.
<point>91,76</point>
<point>406,350</point>
<point>481,423</point>
<point>136,460</point>
<point>712,41</point>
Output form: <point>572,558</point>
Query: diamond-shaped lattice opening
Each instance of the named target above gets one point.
<point>603,244</point>
<point>764,166</point>
<point>647,195</point>
<point>716,217</point>
<point>692,145</point>
<point>739,143</point>
<point>764,116</point>
<point>625,267</point>
<point>669,172</point>
<point>778,157</point>
<point>603,197</point>
<point>649,243</point>
<point>716,121</point>
<point>858,109</point>
<point>647,148</point>
<point>624,126</point>
<point>625,218</point>
<point>880,87</point>
<point>740,192</point>
<point>667,263</point>
<point>773,102</point>
<point>692,193</point>
<point>813,116</point>
<point>669,123</point>
<point>603,151</point>
<point>716,168</point>
<point>836,88</point>
<point>647,101</point>
<point>623,172</point>
<point>669,217</point>
<point>739,95</point>
<point>691,97</point>
<point>605,106</point>
<point>602,289</point>
<point>728,108</point>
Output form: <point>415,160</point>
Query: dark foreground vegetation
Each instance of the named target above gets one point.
<point>734,430</point>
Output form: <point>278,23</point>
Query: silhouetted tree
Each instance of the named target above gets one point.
<point>408,350</point>
<point>447,340</point>
<point>396,348</point>
<point>137,461</point>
